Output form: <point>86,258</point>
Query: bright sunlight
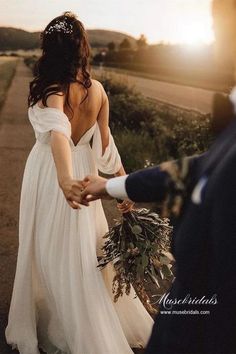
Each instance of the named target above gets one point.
<point>194,33</point>
<point>185,22</point>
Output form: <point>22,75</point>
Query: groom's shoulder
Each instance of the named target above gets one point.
<point>229,159</point>
<point>225,170</point>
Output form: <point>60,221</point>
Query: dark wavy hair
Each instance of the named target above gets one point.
<point>65,51</point>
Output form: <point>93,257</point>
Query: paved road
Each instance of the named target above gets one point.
<point>177,95</point>
<point>15,140</point>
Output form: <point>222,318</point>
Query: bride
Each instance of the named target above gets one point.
<point>61,302</point>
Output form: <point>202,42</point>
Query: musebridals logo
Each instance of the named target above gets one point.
<point>168,302</point>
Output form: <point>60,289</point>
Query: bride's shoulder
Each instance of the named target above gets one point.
<point>54,101</point>
<point>99,87</point>
<point>97,83</point>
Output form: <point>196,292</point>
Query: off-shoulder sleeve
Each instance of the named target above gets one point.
<point>49,119</point>
<point>110,161</point>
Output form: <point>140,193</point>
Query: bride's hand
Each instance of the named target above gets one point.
<point>72,190</point>
<point>94,188</point>
<point>126,206</point>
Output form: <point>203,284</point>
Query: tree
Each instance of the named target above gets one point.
<point>141,42</point>
<point>111,46</point>
<point>125,44</point>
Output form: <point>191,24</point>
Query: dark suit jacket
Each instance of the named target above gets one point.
<point>204,246</point>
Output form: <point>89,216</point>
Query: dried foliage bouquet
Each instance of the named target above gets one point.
<point>138,246</point>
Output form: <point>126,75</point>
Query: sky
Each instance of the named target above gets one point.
<point>172,21</point>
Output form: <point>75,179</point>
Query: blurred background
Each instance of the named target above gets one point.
<point>156,60</point>
<point>163,40</point>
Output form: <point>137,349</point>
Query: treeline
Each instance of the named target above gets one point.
<point>185,65</point>
<point>175,63</point>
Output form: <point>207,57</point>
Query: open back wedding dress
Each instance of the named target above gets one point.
<point>61,301</point>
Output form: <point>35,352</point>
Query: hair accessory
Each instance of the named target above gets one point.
<point>60,26</point>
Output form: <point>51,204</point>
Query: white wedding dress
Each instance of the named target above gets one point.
<point>61,301</point>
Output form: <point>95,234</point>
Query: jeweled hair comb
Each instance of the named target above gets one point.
<point>60,26</point>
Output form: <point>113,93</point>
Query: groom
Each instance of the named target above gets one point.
<point>198,315</point>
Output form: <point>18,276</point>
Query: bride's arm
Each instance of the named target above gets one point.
<point>103,119</point>
<point>103,122</point>
<point>61,151</point>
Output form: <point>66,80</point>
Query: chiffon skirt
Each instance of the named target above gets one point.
<point>61,301</point>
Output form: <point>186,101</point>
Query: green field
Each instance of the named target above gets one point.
<point>7,71</point>
<point>147,132</point>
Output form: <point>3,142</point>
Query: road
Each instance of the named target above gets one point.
<point>181,96</point>
<point>15,140</point>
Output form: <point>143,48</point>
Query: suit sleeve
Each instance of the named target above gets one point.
<point>149,185</point>
<point>169,183</point>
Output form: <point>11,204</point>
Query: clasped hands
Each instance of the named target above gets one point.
<point>79,193</point>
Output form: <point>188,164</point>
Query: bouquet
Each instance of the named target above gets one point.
<point>138,246</point>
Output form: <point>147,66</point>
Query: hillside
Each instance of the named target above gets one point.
<point>100,38</point>
<point>14,38</point>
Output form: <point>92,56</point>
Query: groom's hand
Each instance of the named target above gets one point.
<point>94,188</point>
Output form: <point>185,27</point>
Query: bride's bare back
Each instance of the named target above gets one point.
<point>86,113</point>
<point>94,108</point>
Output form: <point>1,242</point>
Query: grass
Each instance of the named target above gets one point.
<point>7,72</point>
<point>148,132</point>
